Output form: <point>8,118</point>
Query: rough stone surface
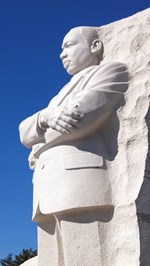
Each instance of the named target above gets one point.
<point>128,41</point>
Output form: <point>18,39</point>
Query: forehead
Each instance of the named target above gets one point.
<point>73,36</point>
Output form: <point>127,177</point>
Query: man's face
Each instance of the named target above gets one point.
<point>76,54</point>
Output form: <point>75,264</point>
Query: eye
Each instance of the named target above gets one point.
<point>69,44</point>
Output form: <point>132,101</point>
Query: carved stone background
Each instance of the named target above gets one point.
<point>128,41</point>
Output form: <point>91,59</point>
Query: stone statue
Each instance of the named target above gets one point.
<point>72,141</point>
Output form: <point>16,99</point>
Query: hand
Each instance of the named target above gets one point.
<point>63,119</point>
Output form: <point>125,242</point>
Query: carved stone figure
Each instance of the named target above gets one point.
<point>72,141</point>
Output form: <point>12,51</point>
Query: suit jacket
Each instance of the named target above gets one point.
<point>71,169</point>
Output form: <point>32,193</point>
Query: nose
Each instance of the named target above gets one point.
<point>63,55</point>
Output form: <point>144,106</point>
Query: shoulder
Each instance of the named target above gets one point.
<point>112,76</point>
<point>112,70</point>
<point>111,67</point>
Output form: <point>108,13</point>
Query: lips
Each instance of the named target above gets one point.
<point>66,64</point>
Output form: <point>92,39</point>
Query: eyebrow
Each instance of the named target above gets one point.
<point>65,44</point>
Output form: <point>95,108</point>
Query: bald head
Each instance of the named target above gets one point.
<point>88,33</point>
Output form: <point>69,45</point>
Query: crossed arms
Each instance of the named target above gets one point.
<point>85,114</point>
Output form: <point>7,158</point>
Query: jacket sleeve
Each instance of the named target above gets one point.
<point>29,131</point>
<point>101,97</point>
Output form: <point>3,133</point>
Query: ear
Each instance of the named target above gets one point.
<point>96,46</point>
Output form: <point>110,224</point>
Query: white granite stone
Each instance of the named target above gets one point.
<point>126,41</point>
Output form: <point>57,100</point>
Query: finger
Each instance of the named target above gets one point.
<point>78,116</point>
<point>65,125</point>
<point>59,128</point>
<point>71,121</point>
<point>75,115</point>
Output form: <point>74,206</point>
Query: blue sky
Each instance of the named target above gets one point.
<point>31,73</point>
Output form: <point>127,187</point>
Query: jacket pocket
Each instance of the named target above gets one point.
<point>82,160</point>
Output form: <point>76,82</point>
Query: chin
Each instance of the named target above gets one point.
<point>72,71</point>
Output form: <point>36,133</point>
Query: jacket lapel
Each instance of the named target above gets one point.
<point>67,89</point>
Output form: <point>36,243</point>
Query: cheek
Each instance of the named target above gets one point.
<point>83,58</point>
<point>83,54</point>
<point>79,57</point>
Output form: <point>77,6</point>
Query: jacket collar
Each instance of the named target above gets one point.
<point>73,82</point>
